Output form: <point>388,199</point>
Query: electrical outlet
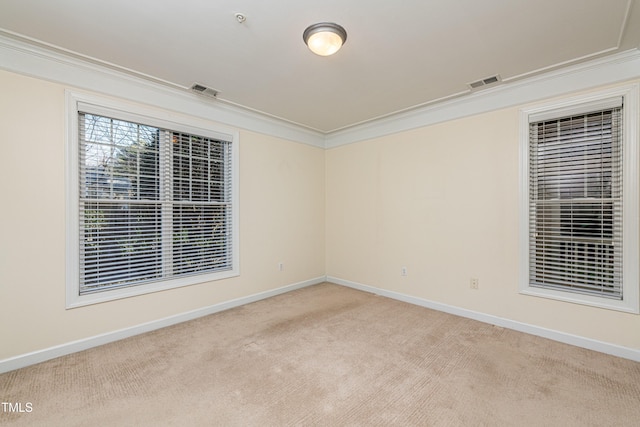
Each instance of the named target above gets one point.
<point>280,266</point>
<point>474,283</point>
<point>403,271</point>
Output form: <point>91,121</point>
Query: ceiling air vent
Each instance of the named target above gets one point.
<point>485,82</point>
<point>203,90</point>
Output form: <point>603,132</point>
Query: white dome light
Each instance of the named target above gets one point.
<point>325,38</point>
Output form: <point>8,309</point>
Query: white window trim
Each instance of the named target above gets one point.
<point>155,117</point>
<point>630,286</point>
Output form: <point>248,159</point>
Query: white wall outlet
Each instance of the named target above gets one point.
<point>474,283</point>
<point>403,271</point>
<point>280,266</point>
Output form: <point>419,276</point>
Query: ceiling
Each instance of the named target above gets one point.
<point>398,55</point>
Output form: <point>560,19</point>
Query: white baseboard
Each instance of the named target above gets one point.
<point>32,358</point>
<point>588,343</point>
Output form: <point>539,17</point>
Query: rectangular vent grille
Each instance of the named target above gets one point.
<point>203,90</point>
<point>484,82</point>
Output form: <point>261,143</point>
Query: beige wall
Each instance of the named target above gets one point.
<point>443,201</point>
<point>281,219</point>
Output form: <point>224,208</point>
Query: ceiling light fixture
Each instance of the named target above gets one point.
<point>324,38</point>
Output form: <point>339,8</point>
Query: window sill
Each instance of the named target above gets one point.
<point>75,301</point>
<point>575,298</point>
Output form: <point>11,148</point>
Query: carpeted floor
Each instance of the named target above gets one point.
<point>331,356</point>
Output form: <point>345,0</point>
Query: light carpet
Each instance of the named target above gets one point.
<point>327,355</point>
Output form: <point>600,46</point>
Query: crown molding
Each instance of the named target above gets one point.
<point>27,57</point>
<point>35,59</point>
<point>607,70</point>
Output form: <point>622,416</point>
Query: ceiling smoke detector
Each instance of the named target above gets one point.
<point>203,90</point>
<point>485,82</point>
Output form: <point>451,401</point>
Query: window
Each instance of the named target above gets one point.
<point>575,198</point>
<point>153,206</point>
<point>579,202</point>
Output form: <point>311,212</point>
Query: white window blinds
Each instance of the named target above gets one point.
<point>154,204</point>
<point>575,203</point>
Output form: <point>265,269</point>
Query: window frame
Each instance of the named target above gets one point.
<point>594,101</point>
<point>119,109</point>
